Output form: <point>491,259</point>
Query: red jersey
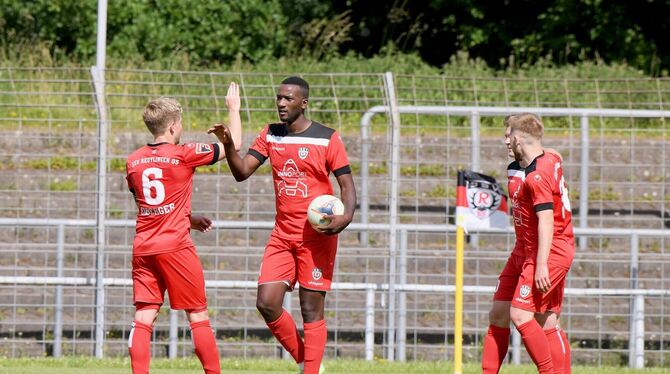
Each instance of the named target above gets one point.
<point>515,183</point>
<point>301,164</point>
<point>544,188</point>
<point>160,176</point>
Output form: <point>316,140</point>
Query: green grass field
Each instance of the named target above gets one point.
<point>81,365</point>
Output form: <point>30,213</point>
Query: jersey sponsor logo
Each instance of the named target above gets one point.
<point>201,148</point>
<point>316,273</point>
<point>524,291</point>
<point>303,152</point>
<point>291,183</point>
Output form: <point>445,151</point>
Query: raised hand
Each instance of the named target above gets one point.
<point>233,97</point>
<point>222,133</point>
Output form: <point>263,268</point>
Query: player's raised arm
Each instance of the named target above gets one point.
<point>241,168</point>
<point>233,103</point>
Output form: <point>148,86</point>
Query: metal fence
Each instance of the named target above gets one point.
<point>404,161</point>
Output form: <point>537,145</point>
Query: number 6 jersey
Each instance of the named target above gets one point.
<point>160,177</point>
<point>545,189</point>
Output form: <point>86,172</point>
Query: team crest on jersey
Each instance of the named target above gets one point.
<point>524,291</point>
<point>202,148</point>
<point>316,273</point>
<point>303,152</point>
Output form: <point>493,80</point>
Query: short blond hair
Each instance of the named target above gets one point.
<point>528,123</point>
<point>160,113</point>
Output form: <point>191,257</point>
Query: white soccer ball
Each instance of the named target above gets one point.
<point>321,206</point>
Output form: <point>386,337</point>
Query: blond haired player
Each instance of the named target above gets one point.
<point>160,177</point>
<point>496,342</point>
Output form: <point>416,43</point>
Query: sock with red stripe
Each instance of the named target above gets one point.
<point>537,346</point>
<point>567,364</point>
<point>557,349</point>
<point>139,347</point>
<point>205,346</point>
<point>496,343</point>
<point>286,332</point>
<point>316,335</point>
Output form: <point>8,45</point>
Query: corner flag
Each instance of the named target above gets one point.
<point>480,203</point>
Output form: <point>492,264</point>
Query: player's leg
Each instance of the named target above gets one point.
<point>549,322</point>
<point>496,341</point>
<point>148,290</point>
<point>204,341</point>
<point>560,348</point>
<point>522,314</point>
<point>312,304</point>
<point>316,261</point>
<point>185,282</point>
<point>567,364</point>
<point>277,276</point>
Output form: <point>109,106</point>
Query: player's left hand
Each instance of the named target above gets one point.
<point>336,225</point>
<point>542,281</point>
<point>201,223</point>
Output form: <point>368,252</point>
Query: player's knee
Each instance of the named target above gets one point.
<point>146,313</point>
<point>498,317</point>
<point>520,316</point>
<point>311,312</point>
<point>197,315</point>
<point>267,308</point>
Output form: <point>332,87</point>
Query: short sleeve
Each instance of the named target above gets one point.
<point>199,154</point>
<point>259,149</point>
<point>336,156</point>
<point>539,185</point>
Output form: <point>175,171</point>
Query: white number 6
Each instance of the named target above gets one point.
<point>155,183</point>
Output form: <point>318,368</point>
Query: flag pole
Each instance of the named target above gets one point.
<point>461,201</point>
<point>458,312</point>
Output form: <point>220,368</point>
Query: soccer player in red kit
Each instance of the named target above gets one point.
<point>160,177</point>
<point>302,153</point>
<point>544,214</point>
<point>496,341</point>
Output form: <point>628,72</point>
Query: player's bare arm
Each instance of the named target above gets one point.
<point>348,197</point>
<point>201,223</point>
<point>545,230</point>
<point>241,168</point>
<point>233,103</point>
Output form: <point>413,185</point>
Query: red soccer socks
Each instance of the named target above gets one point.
<point>537,346</point>
<point>496,344</point>
<point>316,336</point>
<point>139,347</point>
<point>567,364</point>
<point>205,346</point>
<point>284,329</point>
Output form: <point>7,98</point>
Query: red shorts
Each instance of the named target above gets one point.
<point>179,272</point>
<point>527,297</point>
<point>309,263</point>
<point>509,278</point>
